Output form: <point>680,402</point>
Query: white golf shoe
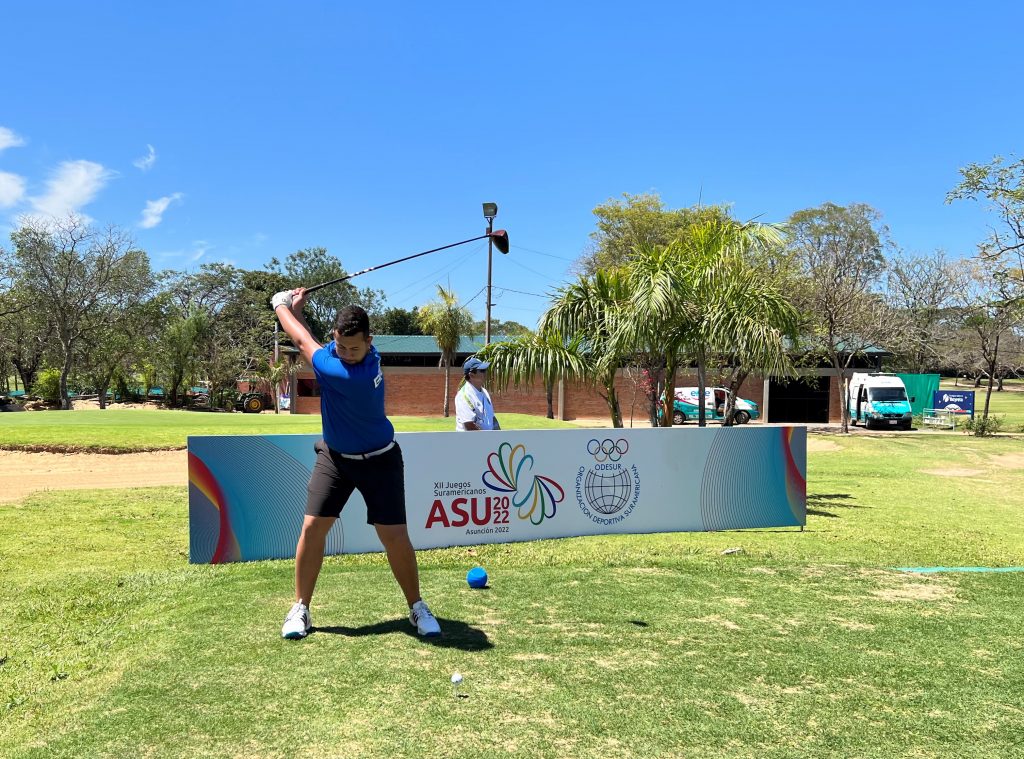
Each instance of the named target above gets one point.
<point>423,620</point>
<point>298,623</point>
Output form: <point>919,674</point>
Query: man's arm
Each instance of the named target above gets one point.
<point>293,323</point>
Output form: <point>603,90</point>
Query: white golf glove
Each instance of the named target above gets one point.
<point>283,298</point>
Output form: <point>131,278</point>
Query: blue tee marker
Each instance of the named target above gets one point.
<point>477,577</point>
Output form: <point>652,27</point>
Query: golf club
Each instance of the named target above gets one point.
<point>499,236</point>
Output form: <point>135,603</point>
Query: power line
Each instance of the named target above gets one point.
<point>532,271</point>
<point>521,292</point>
<point>478,292</point>
<point>518,308</point>
<point>542,253</point>
<point>442,270</point>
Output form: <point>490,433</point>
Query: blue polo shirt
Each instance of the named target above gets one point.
<point>352,402</point>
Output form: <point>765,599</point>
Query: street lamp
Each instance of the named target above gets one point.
<point>490,211</point>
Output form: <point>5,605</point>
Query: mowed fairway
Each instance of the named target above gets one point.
<point>802,644</point>
<point>116,430</point>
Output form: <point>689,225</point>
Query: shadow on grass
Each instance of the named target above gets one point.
<point>816,501</point>
<point>455,634</point>
<point>819,513</point>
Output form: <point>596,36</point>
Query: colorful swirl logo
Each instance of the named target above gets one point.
<point>607,449</point>
<point>508,471</point>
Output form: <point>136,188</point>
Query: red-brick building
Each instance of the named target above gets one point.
<point>415,387</point>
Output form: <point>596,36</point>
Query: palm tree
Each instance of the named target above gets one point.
<point>274,373</point>
<point>699,297</point>
<point>519,360</point>
<point>694,299</point>
<point>572,342</point>
<point>588,313</point>
<point>447,321</point>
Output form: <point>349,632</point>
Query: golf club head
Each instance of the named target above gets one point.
<point>500,237</point>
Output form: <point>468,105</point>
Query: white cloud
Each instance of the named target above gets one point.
<point>8,139</point>
<point>153,213</point>
<point>12,189</point>
<point>202,247</point>
<point>146,162</point>
<point>74,184</point>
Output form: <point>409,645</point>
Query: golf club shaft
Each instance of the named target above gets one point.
<point>391,263</point>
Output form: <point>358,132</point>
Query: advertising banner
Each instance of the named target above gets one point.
<point>247,494</point>
<point>956,401</point>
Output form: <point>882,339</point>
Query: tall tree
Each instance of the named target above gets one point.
<point>115,346</point>
<point>398,321</point>
<point>448,322</point>
<point>8,302</point>
<point>26,336</point>
<point>635,221</point>
<point>573,342</point>
<point>700,298</point>
<point>521,359</point>
<point>841,250</point>
<point>992,308</point>
<point>179,350</point>
<point>587,314</point>
<point>502,328</point>
<point>311,266</point>
<point>1002,184</point>
<point>274,374</point>
<point>207,289</point>
<point>921,290</point>
<point>81,275</point>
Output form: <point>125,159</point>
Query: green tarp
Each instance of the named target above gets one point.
<point>920,388</point>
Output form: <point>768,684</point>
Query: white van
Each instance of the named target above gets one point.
<point>879,400</point>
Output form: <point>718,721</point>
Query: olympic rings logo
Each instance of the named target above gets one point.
<point>607,449</point>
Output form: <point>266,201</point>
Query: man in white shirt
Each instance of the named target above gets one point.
<point>473,408</point>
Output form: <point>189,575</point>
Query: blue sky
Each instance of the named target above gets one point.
<point>230,131</point>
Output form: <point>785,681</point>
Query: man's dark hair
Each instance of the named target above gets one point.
<point>351,321</point>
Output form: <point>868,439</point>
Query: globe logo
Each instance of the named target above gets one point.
<point>608,493</point>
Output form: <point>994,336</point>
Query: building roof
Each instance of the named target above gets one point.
<point>426,344</point>
<point>808,345</point>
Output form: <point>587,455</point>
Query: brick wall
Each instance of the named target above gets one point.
<point>306,405</point>
<point>419,391</point>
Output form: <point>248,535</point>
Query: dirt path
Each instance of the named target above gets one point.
<point>22,474</point>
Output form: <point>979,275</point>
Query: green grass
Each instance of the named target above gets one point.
<point>145,430</point>
<point>804,644</point>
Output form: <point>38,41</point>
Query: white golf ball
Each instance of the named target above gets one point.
<point>456,679</point>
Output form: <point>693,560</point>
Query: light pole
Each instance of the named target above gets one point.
<point>490,211</point>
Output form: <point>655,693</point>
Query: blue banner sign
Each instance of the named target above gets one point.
<point>957,401</point>
<point>247,494</point>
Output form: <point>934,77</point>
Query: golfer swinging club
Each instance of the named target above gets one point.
<point>358,451</point>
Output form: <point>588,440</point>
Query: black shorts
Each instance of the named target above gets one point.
<point>379,479</point>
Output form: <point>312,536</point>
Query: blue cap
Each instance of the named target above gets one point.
<point>473,363</point>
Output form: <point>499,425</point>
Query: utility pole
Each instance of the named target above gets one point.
<point>490,211</point>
